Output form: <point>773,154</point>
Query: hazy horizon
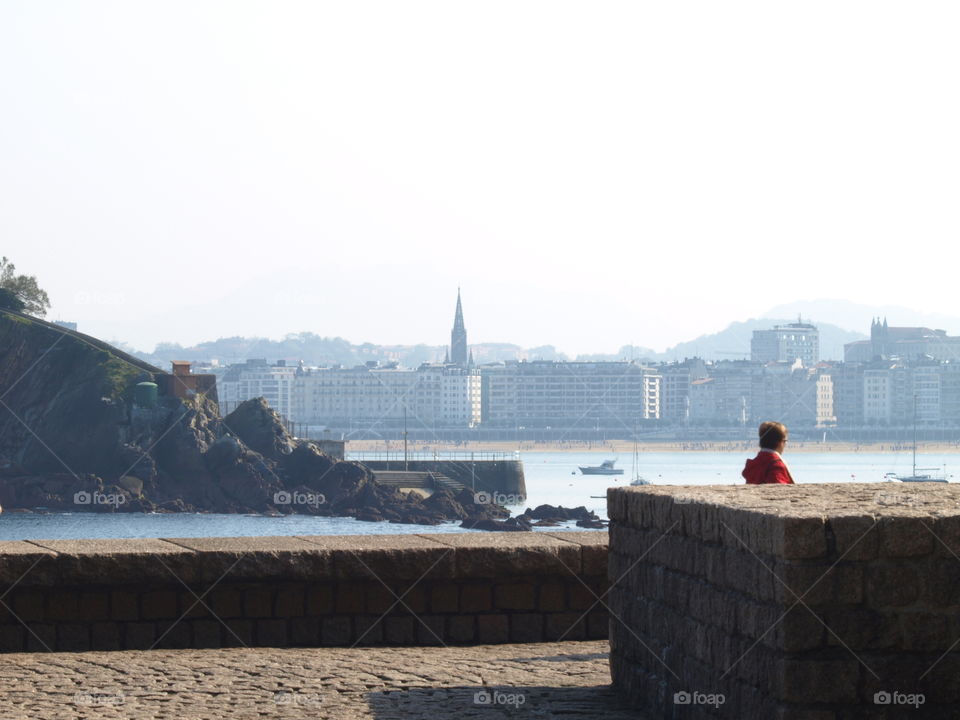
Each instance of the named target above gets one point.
<point>590,177</point>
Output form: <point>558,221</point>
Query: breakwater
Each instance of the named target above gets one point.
<point>791,602</point>
<point>480,472</point>
<point>77,595</point>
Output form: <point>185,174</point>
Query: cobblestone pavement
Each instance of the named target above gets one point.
<point>542,680</point>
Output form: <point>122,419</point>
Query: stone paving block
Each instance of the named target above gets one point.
<point>124,561</point>
<point>411,597</point>
<point>258,602</point>
<point>369,558</point>
<point>124,605</point>
<point>140,635</point>
<point>476,598</point>
<point>272,633</point>
<point>594,546</point>
<point>63,605</point>
<point>552,597</point>
<point>497,554</point>
<point>158,605</point>
<point>94,605</point>
<point>320,599</point>
<point>378,599</point>
<point>225,601</point>
<point>905,536</point>
<point>444,598</point>
<point>41,637</point>
<point>562,626</point>
<point>174,635</point>
<point>430,629</point>
<point>239,559</point>
<point>369,629</point>
<point>526,627</point>
<point>206,633</point>
<point>399,630</point>
<point>12,638</point>
<point>26,563</point>
<point>290,600</point>
<point>73,637</point>
<point>892,585</point>
<point>462,628</point>
<point>237,633</point>
<point>305,632</point>
<point>193,605</point>
<point>514,596</point>
<point>350,598</point>
<point>493,628</point>
<point>337,630</point>
<point>106,636</point>
<point>856,537</point>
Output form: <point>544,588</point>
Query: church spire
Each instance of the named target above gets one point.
<point>458,336</point>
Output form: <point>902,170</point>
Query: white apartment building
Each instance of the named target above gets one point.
<point>256,378</point>
<point>787,343</point>
<point>431,396</point>
<point>569,394</point>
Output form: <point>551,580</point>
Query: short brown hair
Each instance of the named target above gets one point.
<point>772,434</point>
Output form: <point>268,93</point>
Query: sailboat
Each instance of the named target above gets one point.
<point>918,474</point>
<point>637,479</point>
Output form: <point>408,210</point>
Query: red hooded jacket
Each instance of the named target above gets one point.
<point>767,468</point>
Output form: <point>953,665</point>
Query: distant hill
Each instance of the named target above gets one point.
<point>856,317</point>
<point>734,342</point>
<point>729,344</point>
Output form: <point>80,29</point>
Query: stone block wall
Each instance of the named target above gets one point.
<point>818,602</point>
<point>79,595</point>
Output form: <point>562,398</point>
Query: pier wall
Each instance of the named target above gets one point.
<point>817,602</point>
<point>493,476</point>
<point>75,595</point>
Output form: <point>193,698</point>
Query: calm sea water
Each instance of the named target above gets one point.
<point>551,478</point>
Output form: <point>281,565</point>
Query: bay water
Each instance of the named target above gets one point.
<point>551,478</point>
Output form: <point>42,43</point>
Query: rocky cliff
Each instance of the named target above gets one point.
<point>71,438</point>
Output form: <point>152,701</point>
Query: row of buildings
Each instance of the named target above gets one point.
<point>899,375</point>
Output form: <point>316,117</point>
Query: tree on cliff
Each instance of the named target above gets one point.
<point>21,292</point>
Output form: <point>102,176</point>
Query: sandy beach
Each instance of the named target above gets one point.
<point>625,447</point>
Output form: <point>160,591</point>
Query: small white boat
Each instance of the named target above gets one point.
<point>604,468</point>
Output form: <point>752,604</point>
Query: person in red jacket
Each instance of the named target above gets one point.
<point>768,467</point>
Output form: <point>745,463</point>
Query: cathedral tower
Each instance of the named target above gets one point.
<point>458,337</point>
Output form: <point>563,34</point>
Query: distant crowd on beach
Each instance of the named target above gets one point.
<point>626,446</point>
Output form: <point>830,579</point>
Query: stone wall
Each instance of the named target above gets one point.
<point>302,591</point>
<point>813,601</point>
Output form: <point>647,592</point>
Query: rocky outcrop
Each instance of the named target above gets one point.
<point>554,515</point>
<point>71,439</point>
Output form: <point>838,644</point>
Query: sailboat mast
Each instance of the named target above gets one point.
<point>914,435</point>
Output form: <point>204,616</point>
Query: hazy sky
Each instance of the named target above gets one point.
<point>591,174</point>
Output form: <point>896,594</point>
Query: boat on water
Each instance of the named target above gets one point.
<point>636,478</point>
<point>918,474</point>
<point>604,468</point>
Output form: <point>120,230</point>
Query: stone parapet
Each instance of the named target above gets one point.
<point>809,601</point>
<point>79,595</point>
